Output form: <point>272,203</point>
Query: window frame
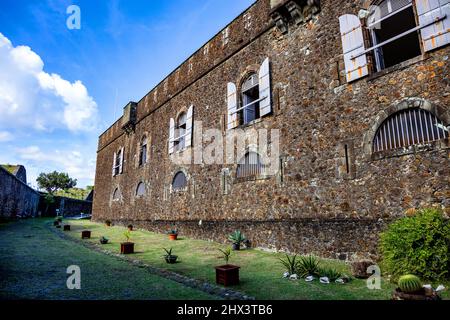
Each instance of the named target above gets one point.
<point>137,195</point>
<point>143,153</point>
<point>179,189</point>
<point>117,161</point>
<point>261,168</point>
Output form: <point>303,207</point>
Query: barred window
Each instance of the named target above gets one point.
<point>250,166</point>
<point>407,128</point>
<point>179,181</point>
<point>116,194</point>
<point>140,190</point>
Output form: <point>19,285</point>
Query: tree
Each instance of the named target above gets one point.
<point>54,181</point>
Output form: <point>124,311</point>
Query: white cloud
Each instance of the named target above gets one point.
<point>70,161</point>
<point>31,97</point>
<point>5,136</point>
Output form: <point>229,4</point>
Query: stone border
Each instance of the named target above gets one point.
<point>206,287</point>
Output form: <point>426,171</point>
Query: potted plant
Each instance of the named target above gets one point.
<point>127,247</point>
<point>170,258</point>
<point>108,223</point>
<point>104,240</point>
<point>85,234</point>
<point>237,238</point>
<point>227,274</point>
<point>130,227</point>
<point>173,234</point>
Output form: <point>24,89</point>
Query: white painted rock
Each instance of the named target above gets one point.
<point>440,288</point>
<point>324,280</point>
<point>293,277</point>
<point>286,275</point>
<point>309,278</point>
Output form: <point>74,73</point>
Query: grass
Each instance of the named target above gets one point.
<point>34,261</point>
<point>260,273</point>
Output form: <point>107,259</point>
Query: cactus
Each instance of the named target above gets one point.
<point>409,283</point>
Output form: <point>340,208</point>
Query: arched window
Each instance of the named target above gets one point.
<point>407,128</point>
<point>116,194</point>
<point>250,166</point>
<point>179,181</point>
<point>180,132</point>
<point>140,190</point>
<point>143,151</point>
<point>250,100</point>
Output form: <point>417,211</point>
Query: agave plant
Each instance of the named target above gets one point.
<point>330,273</point>
<point>290,263</point>
<point>308,266</point>
<point>127,235</point>
<point>237,237</point>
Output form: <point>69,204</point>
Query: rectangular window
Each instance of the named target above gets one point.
<point>394,34</point>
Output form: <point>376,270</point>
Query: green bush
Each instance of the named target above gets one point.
<point>419,245</point>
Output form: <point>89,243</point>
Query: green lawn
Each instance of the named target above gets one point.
<point>34,261</point>
<point>261,272</point>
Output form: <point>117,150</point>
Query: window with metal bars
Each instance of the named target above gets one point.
<point>179,182</point>
<point>250,166</point>
<point>407,128</point>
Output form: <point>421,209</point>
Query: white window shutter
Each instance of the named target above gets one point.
<point>189,126</point>
<point>114,165</point>
<point>264,89</point>
<point>121,160</point>
<point>437,34</point>
<point>171,136</point>
<point>353,45</point>
<point>232,106</point>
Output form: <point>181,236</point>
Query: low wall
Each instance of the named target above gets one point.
<point>345,239</point>
<point>17,199</point>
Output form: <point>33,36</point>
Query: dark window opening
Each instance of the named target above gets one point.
<point>347,165</point>
<point>402,49</point>
<point>180,131</point>
<point>179,182</point>
<point>143,152</point>
<point>250,100</point>
<point>118,163</point>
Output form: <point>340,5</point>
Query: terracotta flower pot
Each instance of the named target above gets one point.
<point>127,248</point>
<point>86,234</point>
<point>67,227</point>
<point>227,275</point>
<point>173,236</point>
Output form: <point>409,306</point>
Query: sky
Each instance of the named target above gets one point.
<point>60,88</point>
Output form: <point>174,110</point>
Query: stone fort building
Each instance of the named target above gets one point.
<point>359,92</point>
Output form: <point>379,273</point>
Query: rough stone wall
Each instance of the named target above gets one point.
<point>16,198</point>
<point>73,207</point>
<point>317,112</point>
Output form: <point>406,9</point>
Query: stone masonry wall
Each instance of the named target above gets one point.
<point>16,198</point>
<point>312,204</point>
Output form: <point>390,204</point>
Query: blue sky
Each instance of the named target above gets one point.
<point>60,88</point>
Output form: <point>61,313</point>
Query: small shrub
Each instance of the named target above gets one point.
<point>291,264</point>
<point>409,283</point>
<point>108,222</point>
<point>308,266</point>
<point>417,245</point>
<point>359,268</point>
<point>127,235</point>
<point>130,227</point>
<point>226,254</point>
<point>172,231</point>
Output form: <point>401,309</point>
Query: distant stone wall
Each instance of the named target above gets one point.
<point>16,198</point>
<point>73,207</point>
